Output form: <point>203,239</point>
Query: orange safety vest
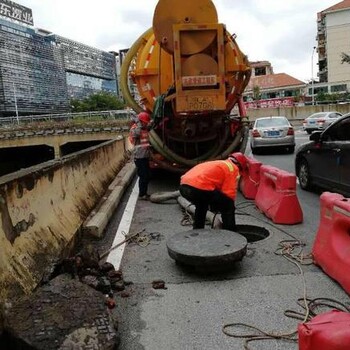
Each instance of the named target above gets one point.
<point>221,175</point>
<point>144,137</point>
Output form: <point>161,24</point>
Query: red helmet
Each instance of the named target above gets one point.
<point>239,159</point>
<point>144,117</point>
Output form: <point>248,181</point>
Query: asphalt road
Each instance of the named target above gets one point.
<point>281,159</point>
<point>193,309</point>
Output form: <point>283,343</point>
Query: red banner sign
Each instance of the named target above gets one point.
<point>271,103</point>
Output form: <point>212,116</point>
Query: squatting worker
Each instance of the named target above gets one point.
<point>139,137</point>
<point>214,183</point>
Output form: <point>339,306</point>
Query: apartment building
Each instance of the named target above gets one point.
<point>333,39</point>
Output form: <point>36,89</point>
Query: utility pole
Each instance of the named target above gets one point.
<point>14,93</point>
<point>312,75</point>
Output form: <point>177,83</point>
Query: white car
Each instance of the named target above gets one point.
<point>275,131</point>
<point>320,121</point>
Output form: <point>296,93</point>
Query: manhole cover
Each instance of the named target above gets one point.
<point>253,233</point>
<point>207,248</point>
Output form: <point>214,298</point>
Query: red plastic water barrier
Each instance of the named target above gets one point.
<point>276,196</point>
<point>332,242</point>
<point>328,331</point>
<point>250,179</point>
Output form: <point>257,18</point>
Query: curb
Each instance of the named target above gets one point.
<point>97,222</point>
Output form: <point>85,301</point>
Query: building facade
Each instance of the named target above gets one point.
<point>333,33</point>
<point>40,71</point>
<point>260,68</point>
<point>88,70</point>
<point>32,74</point>
<point>269,90</point>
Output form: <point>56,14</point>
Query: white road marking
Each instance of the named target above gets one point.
<point>115,256</point>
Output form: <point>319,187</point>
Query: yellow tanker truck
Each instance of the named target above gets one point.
<point>190,74</point>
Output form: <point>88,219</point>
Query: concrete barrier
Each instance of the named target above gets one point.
<point>42,208</point>
<point>296,114</point>
<point>97,222</point>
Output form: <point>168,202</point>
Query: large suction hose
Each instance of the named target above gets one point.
<point>167,153</point>
<point>157,143</point>
<point>124,72</point>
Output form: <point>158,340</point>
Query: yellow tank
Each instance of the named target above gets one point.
<point>189,73</point>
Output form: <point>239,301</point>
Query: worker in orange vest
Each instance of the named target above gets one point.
<point>139,137</point>
<point>214,184</point>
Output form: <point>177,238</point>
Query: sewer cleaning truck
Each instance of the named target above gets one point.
<point>189,74</point>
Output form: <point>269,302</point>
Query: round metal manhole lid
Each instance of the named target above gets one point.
<point>205,247</point>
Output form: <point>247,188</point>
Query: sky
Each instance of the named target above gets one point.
<point>281,32</point>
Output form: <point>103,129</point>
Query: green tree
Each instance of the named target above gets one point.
<point>326,97</point>
<point>101,101</point>
<point>297,96</point>
<point>77,105</point>
<point>256,92</point>
<point>321,96</point>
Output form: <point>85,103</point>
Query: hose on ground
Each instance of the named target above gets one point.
<point>212,218</point>
<point>161,197</point>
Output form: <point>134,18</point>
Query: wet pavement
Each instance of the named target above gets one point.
<point>191,313</point>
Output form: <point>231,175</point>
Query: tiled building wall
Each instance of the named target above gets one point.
<point>80,60</point>
<point>40,72</point>
<point>32,72</point>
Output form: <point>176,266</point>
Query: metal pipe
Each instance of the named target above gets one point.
<point>312,75</point>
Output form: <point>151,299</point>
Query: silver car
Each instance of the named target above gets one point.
<point>320,121</point>
<point>273,131</point>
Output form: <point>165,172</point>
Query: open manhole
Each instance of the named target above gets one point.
<point>253,233</point>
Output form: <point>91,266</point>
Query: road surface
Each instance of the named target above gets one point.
<point>193,309</point>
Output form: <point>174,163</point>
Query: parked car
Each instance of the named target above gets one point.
<point>320,121</point>
<point>325,160</point>
<point>275,131</point>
